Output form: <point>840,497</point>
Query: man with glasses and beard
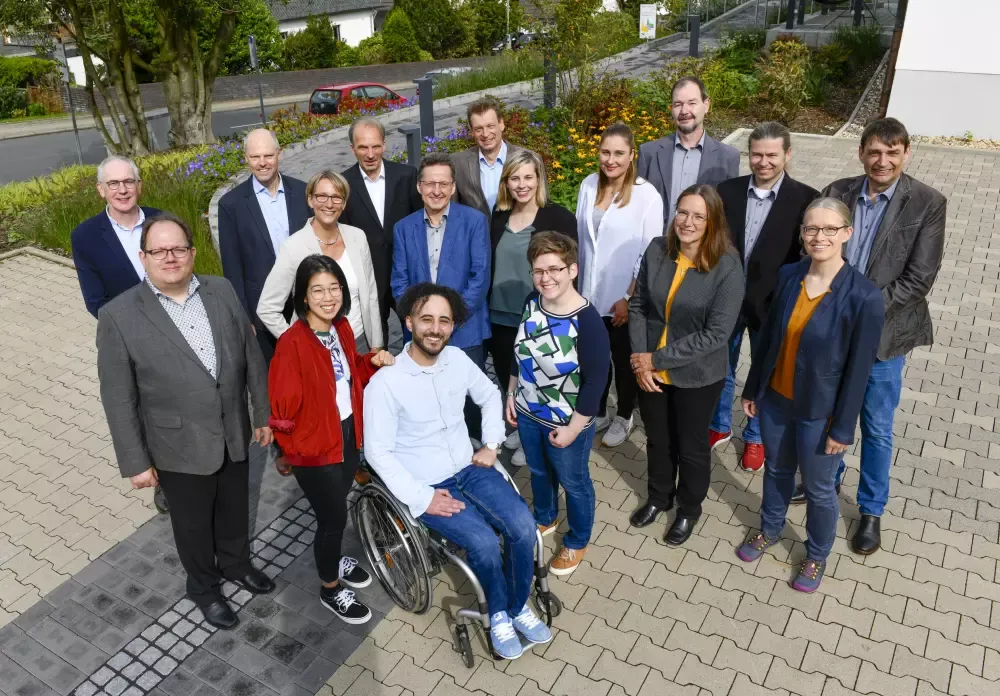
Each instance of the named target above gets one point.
<point>106,246</point>
<point>176,356</point>
<point>417,441</point>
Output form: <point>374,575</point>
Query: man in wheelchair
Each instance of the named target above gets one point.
<point>417,442</point>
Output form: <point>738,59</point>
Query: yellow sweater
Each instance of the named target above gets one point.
<point>783,377</point>
<point>683,265</point>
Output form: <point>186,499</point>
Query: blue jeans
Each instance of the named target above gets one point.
<point>723,420</point>
<point>790,444</point>
<point>885,385</point>
<point>553,466</point>
<point>492,506</point>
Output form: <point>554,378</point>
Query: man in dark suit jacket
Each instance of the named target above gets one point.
<point>898,242</point>
<point>764,211</point>
<point>382,194</point>
<point>176,357</point>
<point>689,156</point>
<point>254,219</point>
<point>106,246</point>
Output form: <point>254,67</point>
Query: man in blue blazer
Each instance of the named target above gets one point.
<point>449,244</point>
<point>106,246</point>
<point>254,219</point>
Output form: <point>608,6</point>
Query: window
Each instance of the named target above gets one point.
<point>378,92</point>
<point>358,93</point>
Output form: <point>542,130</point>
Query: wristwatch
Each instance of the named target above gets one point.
<point>492,446</point>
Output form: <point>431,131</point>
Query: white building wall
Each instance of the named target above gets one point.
<point>354,26</point>
<point>948,82</point>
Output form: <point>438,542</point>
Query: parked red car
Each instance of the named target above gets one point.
<point>328,99</point>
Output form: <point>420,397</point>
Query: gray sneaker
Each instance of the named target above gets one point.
<point>618,431</point>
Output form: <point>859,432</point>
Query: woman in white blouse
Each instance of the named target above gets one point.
<point>327,194</point>
<point>618,214</point>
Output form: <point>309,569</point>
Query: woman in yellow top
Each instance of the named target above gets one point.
<point>807,382</point>
<point>687,297</point>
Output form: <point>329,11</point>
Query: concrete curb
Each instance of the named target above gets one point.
<point>34,251</point>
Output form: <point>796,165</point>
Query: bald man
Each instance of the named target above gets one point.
<point>254,219</point>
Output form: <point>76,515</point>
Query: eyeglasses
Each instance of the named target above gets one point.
<point>437,185</point>
<point>320,293</point>
<point>812,230</point>
<point>539,273</point>
<point>176,252</point>
<point>127,183</point>
<point>697,217</point>
<point>324,198</point>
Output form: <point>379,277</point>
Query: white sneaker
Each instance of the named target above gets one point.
<point>518,459</point>
<point>513,441</point>
<point>601,423</point>
<point>618,431</point>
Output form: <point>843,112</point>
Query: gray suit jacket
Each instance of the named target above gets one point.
<point>163,407</point>
<point>905,259</point>
<point>656,164</point>
<point>468,189</point>
<point>702,316</point>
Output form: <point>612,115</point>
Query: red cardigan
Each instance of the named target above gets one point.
<point>303,393</point>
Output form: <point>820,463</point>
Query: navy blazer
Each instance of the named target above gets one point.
<point>836,350</point>
<point>464,265</point>
<point>102,266</point>
<point>245,246</point>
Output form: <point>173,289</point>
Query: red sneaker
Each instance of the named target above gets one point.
<point>717,439</point>
<point>753,457</point>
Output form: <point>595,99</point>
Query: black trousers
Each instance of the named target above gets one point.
<point>326,489</point>
<point>501,347</point>
<point>210,517</point>
<point>677,451</point>
<point>621,368</point>
<point>474,414</point>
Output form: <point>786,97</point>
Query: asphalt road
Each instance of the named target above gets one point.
<point>24,158</point>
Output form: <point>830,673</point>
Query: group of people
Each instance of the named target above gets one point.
<point>669,258</point>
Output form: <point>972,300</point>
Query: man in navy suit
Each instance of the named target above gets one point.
<point>106,246</point>
<point>449,244</point>
<point>254,219</point>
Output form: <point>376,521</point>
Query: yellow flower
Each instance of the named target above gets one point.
<point>560,147</point>
<point>581,154</point>
<point>556,165</point>
<point>578,170</point>
<point>559,177</point>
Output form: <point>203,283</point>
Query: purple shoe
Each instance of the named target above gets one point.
<point>810,576</point>
<point>754,547</point>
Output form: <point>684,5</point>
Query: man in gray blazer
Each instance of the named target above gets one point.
<point>689,156</point>
<point>176,355</point>
<point>478,169</point>
<point>898,241</point>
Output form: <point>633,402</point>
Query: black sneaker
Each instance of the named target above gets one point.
<point>353,575</point>
<point>341,602</point>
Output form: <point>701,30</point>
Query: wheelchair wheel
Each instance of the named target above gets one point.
<point>548,606</point>
<point>464,645</point>
<point>396,551</point>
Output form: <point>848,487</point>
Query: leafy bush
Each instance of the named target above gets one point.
<point>740,59</point>
<point>744,39</point>
<point>313,47</point>
<point>783,80</point>
<point>370,51</point>
<point>508,68</point>
<point>11,101</point>
<point>37,110</point>
<point>399,42</point>
<point>24,71</point>
<point>833,58</point>
<point>863,45</point>
<point>816,83</point>
<point>729,88</point>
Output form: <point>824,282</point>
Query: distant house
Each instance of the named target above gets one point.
<point>352,20</point>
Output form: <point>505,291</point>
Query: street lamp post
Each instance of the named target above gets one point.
<point>508,24</point>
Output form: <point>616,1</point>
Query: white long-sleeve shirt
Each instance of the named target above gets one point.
<point>610,255</point>
<point>415,434</point>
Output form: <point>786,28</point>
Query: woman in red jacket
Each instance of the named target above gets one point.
<point>316,385</point>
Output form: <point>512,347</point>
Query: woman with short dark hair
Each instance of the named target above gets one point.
<point>316,386</point>
<point>687,298</point>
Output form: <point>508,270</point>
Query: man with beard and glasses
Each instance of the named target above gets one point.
<point>690,156</point>
<point>417,441</point>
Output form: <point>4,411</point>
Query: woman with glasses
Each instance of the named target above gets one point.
<point>687,298</point>
<point>807,382</point>
<point>561,363</point>
<point>522,211</point>
<point>618,214</point>
<point>326,194</point>
<point>316,388</point>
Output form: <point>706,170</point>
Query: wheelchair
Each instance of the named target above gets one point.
<point>405,555</point>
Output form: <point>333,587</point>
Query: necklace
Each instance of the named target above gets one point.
<point>324,243</point>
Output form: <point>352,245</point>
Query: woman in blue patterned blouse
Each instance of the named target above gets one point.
<point>560,366</point>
